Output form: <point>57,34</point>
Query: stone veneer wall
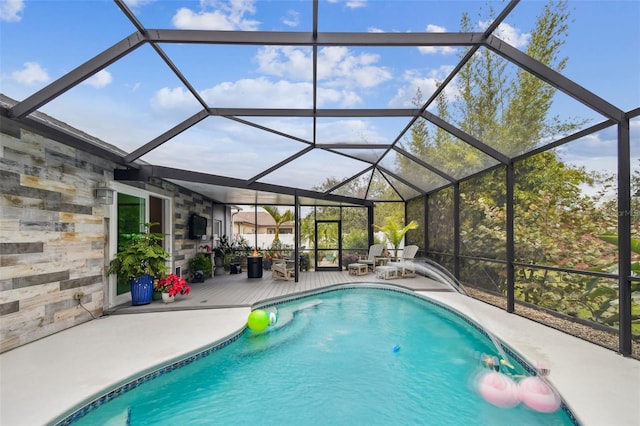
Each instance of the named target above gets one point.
<point>53,234</point>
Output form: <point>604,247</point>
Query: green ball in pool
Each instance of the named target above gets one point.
<point>258,320</point>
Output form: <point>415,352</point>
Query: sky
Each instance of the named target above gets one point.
<point>137,98</point>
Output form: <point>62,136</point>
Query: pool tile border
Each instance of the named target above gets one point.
<point>118,391</point>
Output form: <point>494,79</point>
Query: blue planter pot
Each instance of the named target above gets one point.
<point>141,290</point>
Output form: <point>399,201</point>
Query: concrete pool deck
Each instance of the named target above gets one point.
<point>601,387</point>
<point>42,381</point>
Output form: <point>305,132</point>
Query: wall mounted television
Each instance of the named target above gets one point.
<point>197,226</point>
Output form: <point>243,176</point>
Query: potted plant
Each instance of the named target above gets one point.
<point>140,259</point>
<point>171,286</point>
<point>395,233</point>
<point>200,263</point>
<point>223,251</point>
<point>218,259</point>
<point>267,260</point>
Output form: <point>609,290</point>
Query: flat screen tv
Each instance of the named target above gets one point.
<point>197,226</point>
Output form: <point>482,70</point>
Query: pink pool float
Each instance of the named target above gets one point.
<point>538,395</point>
<point>498,389</point>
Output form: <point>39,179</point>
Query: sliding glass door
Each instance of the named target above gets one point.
<point>133,208</point>
<point>131,216</point>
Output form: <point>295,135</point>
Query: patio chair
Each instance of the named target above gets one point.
<point>279,271</point>
<point>404,264</point>
<point>374,251</point>
<point>409,252</point>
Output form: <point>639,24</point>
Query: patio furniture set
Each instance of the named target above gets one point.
<point>386,268</point>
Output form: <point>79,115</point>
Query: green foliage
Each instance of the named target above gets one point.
<point>354,226</point>
<point>440,221</point>
<point>140,254</point>
<point>224,248</point>
<point>308,230</point>
<point>415,211</point>
<point>227,250</point>
<point>280,250</point>
<point>394,233</point>
<point>279,218</point>
<point>201,262</point>
<point>613,239</point>
<point>556,223</point>
<point>305,262</point>
<point>391,210</point>
<point>356,239</point>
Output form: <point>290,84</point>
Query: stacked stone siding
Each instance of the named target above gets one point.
<point>52,237</point>
<point>53,234</point>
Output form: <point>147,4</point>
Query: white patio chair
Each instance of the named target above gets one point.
<point>404,264</point>
<point>374,251</point>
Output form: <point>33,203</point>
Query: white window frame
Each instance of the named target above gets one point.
<point>167,227</point>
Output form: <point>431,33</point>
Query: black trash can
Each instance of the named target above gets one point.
<point>254,266</point>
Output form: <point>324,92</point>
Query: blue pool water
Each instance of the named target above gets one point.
<point>345,357</point>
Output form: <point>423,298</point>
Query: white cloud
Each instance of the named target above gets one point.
<point>10,10</point>
<point>444,50</point>
<point>291,19</point>
<point>426,83</point>
<point>260,92</point>
<point>349,130</point>
<point>99,80</point>
<point>173,99</point>
<point>595,152</point>
<point>137,3</point>
<point>354,4</point>
<point>510,34</point>
<point>133,87</point>
<point>344,98</point>
<point>287,61</point>
<point>224,16</point>
<point>343,68</point>
<point>32,73</point>
<point>351,4</point>
<point>337,66</point>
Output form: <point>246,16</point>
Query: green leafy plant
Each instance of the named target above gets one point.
<point>141,254</point>
<point>201,262</point>
<point>395,233</point>
<point>278,218</point>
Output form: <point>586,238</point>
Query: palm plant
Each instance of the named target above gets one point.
<point>394,233</point>
<point>278,218</point>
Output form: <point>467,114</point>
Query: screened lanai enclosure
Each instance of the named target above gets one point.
<point>473,122</point>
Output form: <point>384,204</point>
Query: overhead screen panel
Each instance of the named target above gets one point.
<point>224,147</point>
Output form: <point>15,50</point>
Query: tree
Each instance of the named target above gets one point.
<point>556,223</point>
<point>278,218</point>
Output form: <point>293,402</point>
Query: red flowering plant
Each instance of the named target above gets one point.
<point>173,285</point>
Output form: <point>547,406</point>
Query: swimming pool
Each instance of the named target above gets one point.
<point>349,356</point>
